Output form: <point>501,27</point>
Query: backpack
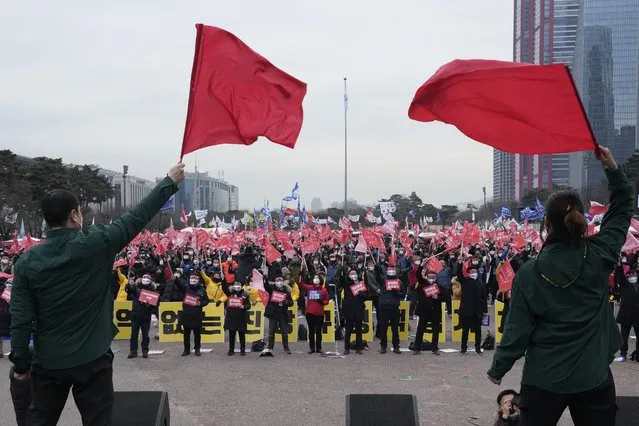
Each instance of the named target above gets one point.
<point>489,342</point>
<point>302,332</point>
<point>258,346</point>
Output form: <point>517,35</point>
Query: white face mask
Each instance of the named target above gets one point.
<point>177,275</point>
<point>279,259</point>
<point>193,282</point>
<point>472,276</point>
<point>353,277</point>
<point>632,280</point>
<point>430,280</point>
<point>186,258</point>
<point>279,284</point>
<point>5,261</point>
<point>371,268</point>
<point>417,262</point>
<point>316,263</point>
<point>237,288</point>
<point>316,281</point>
<point>161,262</point>
<point>146,281</point>
<point>208,262</point>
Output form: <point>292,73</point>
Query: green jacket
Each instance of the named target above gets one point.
<point>560,316</point>
<point>61,289</point>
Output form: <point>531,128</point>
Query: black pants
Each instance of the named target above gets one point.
<point>197,338</point>
<point>412,296</point>
<point>315,323</point>
<point>447,297</point>
<point>92,387</point>
<point>353,324</point>
<point>242,335</point>
<point>433,319</point>
<point>136,327</point>
<point>471,323</point>
<point>281,326</point>
<point>596,407</point>
<point>389,317</point>
<point>625,335</point>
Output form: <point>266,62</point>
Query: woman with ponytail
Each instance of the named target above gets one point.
<point>559,315</point>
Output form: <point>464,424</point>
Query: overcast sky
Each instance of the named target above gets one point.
<point>108,85</point>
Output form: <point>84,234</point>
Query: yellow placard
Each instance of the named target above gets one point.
<point>457,325</point>
<point>122,318</point>
<point>171,330</point>
<point>428,334</point>
<point>328,328</point>
<point>403,322</point>
<point>255,324</point>
<point>367,326</point>
<point>500,320</point>
<point>292,325</point>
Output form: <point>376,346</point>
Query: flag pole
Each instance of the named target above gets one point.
<point>345,151</point>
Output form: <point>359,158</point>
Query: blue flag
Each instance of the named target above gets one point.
<point>505,212</point>
<point>169,205</point>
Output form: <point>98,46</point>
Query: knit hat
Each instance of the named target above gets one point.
<point>286,271</point>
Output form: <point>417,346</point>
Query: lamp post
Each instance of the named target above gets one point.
<point>485,211</point>
<point>125,170</point>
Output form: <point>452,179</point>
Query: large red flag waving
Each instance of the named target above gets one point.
<point>237,95</point>
<point>514,107</point>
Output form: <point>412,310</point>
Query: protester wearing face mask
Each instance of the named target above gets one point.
<point>295,290</point>
<point>236,318</point>
<point>122,282</point>
<point>471,308</point>
<point>317,298</point>
<point>275,269</point>
<point>628,315</point>
<point>140,315</point>
<point>187,264</point>
<point>228,270</point>
<point>195,299</point>
<point>5,314</point>
<point>429,308</point>
<point>391,294</point>
<point>277,312</point>
<point>353,309</point>
<point>5,264</point>
<point>173,289</point>
<point>213,285</point>
<point>370,279</point>
<point>445,282</point>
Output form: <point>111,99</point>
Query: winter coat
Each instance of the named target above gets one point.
<point>214,290</point>
<point>277,310</point>
<point>315,306</point>
<point>428,307</point>
<point>191,316</point>
<point>236,318</point>
<point>5,314</point>
<point>140,311</point>
<point>246,264</point>
<point>628,314</point>
<point>472,296</point>
<point>353,307</point>
<point>389,299</point>
<point>173,290</point>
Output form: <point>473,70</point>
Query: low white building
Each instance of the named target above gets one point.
<point>129,190</point>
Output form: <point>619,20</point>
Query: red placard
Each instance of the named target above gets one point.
<point>235,302</point>
<point>278,297</point>
<point>434,265</point>
<point>6,295</point>
<point>191,300</point>
<point>150,297</point>
<point>393,285</point>
<point>358,288</point>
<point>431,290</point>
<point>505,275</point>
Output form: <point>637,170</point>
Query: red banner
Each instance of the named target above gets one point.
<point>278,297</point>
<point>149,297</point>
<point>235,302</point>
<point>191,300</point>
<point>434,265</point>
<point>358,288</point>
<point>6,295</point>
<point>431,290</point>
<point>393,285</point>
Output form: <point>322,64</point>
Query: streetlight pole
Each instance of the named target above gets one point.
<point>125,170</point>
<point>345,151</point>
<point>485,211</point>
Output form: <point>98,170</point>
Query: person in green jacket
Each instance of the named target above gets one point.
<point>560,316</point>
<point>61,294</point>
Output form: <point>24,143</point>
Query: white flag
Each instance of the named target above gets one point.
<point>200,214</point>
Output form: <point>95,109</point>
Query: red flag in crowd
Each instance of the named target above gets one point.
<point>505,276</point>
<point>514,107</point>
<point>237,95</point>
<point>434,265</point>
<point>597,209</point>
<point>271,253</point>
<point>183,216</point>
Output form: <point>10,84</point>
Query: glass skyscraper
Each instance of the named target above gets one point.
<point>606,72</point>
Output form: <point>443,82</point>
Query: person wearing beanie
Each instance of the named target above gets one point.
<point>391,294</point>
<point>195,298</point>
<point>140,315</point>
<point>353,308</point>
<point>277,311</point>
<point>428,309</point>
<point>472,305</point>
<point>237,306</point>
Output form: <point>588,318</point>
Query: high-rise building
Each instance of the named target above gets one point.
<point>199,191</point>
<point>606,72</point>
<point>544,32</point>
<point>316,205</point>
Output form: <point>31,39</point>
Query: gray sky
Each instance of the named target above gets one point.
<point>108,85</point>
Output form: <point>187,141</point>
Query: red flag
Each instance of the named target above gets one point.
<point>183,216</point>
<point>237,95</point>
<point>434,265</point>
<point>271,253</point>
<point>505,276</point>
<point>514,107</point>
